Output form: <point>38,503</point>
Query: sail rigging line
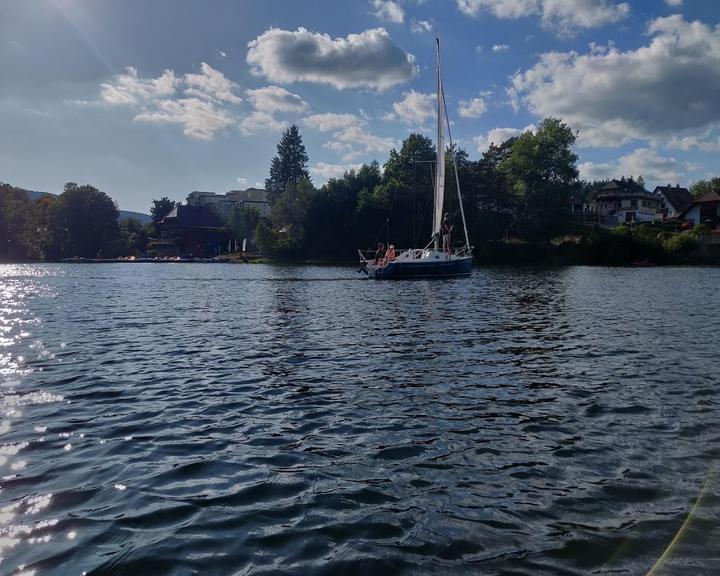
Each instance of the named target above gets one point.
<point>457,177</point>
<point>416,234</point>
<point>389,212</point>
<point>428,202</point>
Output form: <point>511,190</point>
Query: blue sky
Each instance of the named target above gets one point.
<point>150,98</point>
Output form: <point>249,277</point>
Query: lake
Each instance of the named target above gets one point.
<point>251,419</point>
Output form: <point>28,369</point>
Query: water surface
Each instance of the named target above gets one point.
<point>250,419</point>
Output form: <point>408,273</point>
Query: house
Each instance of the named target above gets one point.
<point>705,210</point>
<point>583,210</point>
<point>625,200</point>
<point>225,204</point>
<point>675,200</point>
<point>190,230</point>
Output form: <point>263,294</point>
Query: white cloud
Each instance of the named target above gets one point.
<point>276,99</point>
<point>242,181</point>
<point>499,135</point>
<point>259,121</point>
<point>331,122</point>
<point>500,47</point>
<point>414,109</point>
<point>350,136</point>
<point>325,171</point>
<point>564,16</point>
<point>211,83</point>
<point>201,107</point>
<point>355,141</point>
<point>674,2</point>
<point>640,162</point>
<point>200,119</point>
<point>704,142</point>
<point>389,10</point>
<point>128,88</point>
<point>366,60</point>
<point>220,53</point>
<point>472,108</point>
<point>668,88</point>
<point>421,26</point>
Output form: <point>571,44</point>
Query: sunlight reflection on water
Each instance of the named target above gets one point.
<point>224,419</point>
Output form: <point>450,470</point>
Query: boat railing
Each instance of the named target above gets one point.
<point>464,251</point>
<point>412,253</point>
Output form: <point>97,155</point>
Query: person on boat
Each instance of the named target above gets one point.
<point>379,253</point>
<point>390,254</point>
<point>446,228</point>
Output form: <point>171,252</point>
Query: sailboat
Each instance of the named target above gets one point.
<point>434,260</point>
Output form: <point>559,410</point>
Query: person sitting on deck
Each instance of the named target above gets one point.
<point>390,254</point>
<point>446,231</point>
<point>379,253</point>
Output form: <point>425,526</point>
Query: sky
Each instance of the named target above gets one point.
<point>152,98</point>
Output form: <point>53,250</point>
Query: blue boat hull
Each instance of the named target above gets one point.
<point>455,268</point>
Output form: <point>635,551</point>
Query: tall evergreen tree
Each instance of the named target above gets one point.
<point>289,166</point>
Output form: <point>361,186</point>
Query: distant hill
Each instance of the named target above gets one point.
<point>124,214</point>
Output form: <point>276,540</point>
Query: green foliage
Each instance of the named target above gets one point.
<point>406,191</point>
<point>288,216</point>
<point>243,222</point>
<point>17,225</point>
<point>46,212</point>
<point>541,171</point>
<point>88,221</point>
<point>265,237</point>
<point>161,208</point>
<point>702,187</point>
<point>682,244</point>
<point>289,166</point>
<point>342,212</point>
<point>491,206</point>
<point>133,238</point>
<point>586,190</point>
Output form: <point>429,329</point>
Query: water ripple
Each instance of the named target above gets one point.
<point>294,420</point>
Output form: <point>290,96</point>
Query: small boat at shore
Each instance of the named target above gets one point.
<point>433,260</point>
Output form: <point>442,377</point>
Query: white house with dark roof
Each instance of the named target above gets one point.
<point>705,210</point>
<point>675,200</point>
<point>625,200</point>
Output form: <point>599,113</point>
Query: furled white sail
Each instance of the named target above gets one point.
<point>440,163</point>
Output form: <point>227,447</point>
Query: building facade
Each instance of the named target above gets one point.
<point>705,210</point>
<point>190,231</point>
<point>624,201</point>
<point>225,204</point>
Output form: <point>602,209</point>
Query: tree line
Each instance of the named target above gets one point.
<point>515,197</point>
<point>518,189</point>
<point>81,222</point>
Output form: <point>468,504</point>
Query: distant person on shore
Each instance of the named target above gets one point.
<point>379,253</point>
<point>390,254</point>
<point>446,228</point>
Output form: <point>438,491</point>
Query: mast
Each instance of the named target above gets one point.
<point>440,154</point>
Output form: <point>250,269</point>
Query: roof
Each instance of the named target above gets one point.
<point>622,188</point>
<point>678,198</point>
<point>709,197</point>
<point>194,217</point>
